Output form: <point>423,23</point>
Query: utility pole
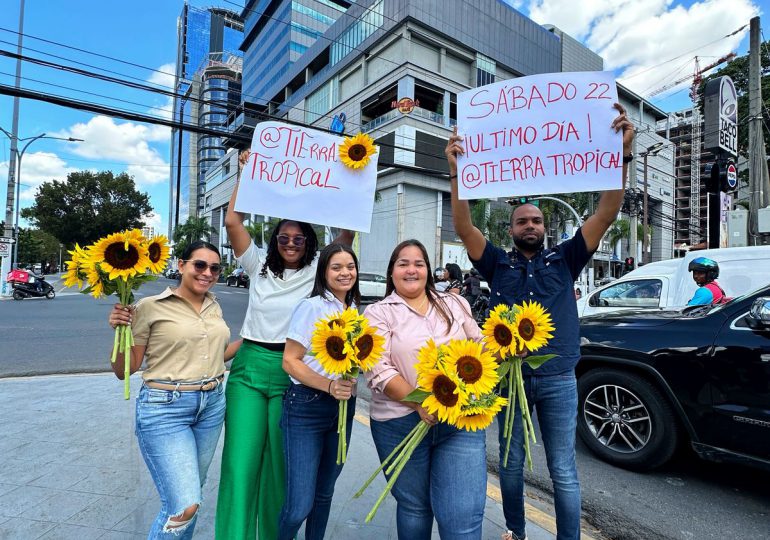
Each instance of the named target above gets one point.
<point>10,201</point>
<point>759,183</point>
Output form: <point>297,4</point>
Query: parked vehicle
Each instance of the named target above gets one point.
<point>372,286</point>
<point>238,278</point>
<point>37,289</point>
<point>668,284</point>
<point>650,380</point>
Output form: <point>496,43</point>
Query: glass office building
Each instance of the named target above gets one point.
<point>207,84</point>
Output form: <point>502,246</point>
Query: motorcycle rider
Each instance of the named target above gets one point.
<point>705,271</point>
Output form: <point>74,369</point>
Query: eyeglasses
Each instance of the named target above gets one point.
<point>298,240</point>
<point>201,266</point>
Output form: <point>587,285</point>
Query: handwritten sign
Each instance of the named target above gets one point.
<point>540,134</point>
<point>295,173</point>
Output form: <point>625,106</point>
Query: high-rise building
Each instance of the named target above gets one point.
<point>207,84</point>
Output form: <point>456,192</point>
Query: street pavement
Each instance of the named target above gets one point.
<point>70,469</point>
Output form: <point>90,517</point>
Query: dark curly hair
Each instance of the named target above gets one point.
<point>275,263</point>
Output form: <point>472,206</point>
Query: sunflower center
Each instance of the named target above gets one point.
<point>503,335</point>
<point>337,322</point>
<point>444,391</point>
<point>117,256</point>
<point>469,369</point>
<point>154,250</point>
<point>365,345</point>
<point>526,329</point>
<point>335,346</point>
<point>357,152</point>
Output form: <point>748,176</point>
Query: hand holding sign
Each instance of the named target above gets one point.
<point>297,173</point>
<point>551,133</point>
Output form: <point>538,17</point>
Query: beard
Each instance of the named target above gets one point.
<point>529,244</point>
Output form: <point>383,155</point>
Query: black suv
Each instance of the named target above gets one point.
<point>239,278</point>
<point>649,380</point>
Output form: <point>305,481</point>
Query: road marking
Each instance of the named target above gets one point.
<point>534,514</point>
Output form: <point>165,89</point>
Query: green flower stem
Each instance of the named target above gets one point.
<point>506,427</point>
<point>402,460</point>
<point>388,459</point>
<point>529,429</point>
<point>127,363</point>
<point>510,419</point>
<point>115,344</point>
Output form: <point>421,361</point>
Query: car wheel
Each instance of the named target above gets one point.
<point>625,420</point>
<point>50,294</point>
<point>229,282</point>
<point>18,295</point>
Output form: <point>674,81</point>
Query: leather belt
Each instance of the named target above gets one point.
<point>186,387</point>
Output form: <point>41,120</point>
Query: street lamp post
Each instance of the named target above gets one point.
<point>650,151</point>
<point>19,156</point>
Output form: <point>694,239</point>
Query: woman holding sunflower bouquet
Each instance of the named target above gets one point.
<point>446,475</point>
<point>251,489</point>
<point>310,405</point>
<point>181,406</point>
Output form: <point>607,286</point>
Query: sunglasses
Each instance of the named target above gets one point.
<point>201,266</point>
<point>284,239</point>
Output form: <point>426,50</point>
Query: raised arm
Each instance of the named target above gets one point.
<point>610,202</point>
<point>236,232</point>
<point>471,236</point>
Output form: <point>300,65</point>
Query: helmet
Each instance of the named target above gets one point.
<point>703,264</point>
<point>439,271</point>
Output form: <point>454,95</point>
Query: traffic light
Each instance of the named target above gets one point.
<point>516,201</point>
<point>629,262</point>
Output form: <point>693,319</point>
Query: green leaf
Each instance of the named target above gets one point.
<point>416,396</point>
<point>537,361</point>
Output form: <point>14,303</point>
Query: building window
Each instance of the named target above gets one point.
<point>486,70</point>
<point>319,103</point>
<point>371,20</point>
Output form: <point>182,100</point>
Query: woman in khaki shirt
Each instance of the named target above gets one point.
<point>182,338</point>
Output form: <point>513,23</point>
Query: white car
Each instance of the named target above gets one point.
<point>372,286</point>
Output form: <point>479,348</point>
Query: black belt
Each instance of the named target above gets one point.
<point>277,347</point>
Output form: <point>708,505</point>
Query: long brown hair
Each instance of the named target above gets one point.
<point>320,286</point>
<point>430,288</point>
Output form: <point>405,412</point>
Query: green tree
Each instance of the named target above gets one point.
<point>192,230</point>
<point>88,206</point>
<point>257,228</point>
<point>493,223</point>
<point>36,246</point>
<point>738,71</point>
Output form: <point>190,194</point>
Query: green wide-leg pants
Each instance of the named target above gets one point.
<point>252,485</point>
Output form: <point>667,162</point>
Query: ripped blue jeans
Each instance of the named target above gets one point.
<point>178,434</point>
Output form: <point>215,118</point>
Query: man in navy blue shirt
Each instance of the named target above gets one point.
<point>530,272</point>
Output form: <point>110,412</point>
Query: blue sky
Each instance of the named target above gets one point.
<point>643,41</point>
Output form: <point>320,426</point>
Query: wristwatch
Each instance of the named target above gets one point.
<point>628,159</point>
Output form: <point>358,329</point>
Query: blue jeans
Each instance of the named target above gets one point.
<point>309,424</point>
<point>446,477</point>
<point>178,434</point>
<point>554,397</point>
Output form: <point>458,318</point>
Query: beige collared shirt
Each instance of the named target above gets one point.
<point>182,344</point>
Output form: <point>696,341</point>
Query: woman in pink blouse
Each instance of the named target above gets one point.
<point>446,476</point>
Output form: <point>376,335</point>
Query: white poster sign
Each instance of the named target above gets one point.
<point>541,134</point>
<point>296,173</point>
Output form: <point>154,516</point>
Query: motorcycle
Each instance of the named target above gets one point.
<point>38,289</point>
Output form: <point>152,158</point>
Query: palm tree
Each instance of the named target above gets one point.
<point>194,229</point>
<point>619,231</point>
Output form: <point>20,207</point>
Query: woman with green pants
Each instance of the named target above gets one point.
<point>251,488</point>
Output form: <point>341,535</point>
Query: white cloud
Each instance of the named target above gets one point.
<point>636,36</point>
<point>155,220</point>
<point>37,168</point>
<point>164,76</point>
<point>127,142</point>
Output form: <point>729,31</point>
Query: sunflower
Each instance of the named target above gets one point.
<point>344,320</point>
<point>427,360</point>
<point>157,252</point>
<point>94,279</point>
<point>356,151</point>
<point>499,332</point>
<point>328,344</point>
<point>474,418</point>
<point>446,399</point>
<point>532,325</point>
<point>75,274</point>
<point>369,346</point>
<point>475,367</point>
<point>121,255</point>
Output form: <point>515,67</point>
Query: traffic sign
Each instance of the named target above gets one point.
<point>5,249</point>
<point>6,240</point>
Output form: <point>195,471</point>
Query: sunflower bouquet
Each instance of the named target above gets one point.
<point>513,332</point>
<point>345,345</point>
<point>117,264</point>
<point>455,382</point>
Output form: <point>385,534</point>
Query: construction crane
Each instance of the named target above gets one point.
<point>695,146</point>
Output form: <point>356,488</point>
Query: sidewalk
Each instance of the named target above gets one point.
<point>70,469</point>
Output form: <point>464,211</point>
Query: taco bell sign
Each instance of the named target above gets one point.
<point>721,116</point>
